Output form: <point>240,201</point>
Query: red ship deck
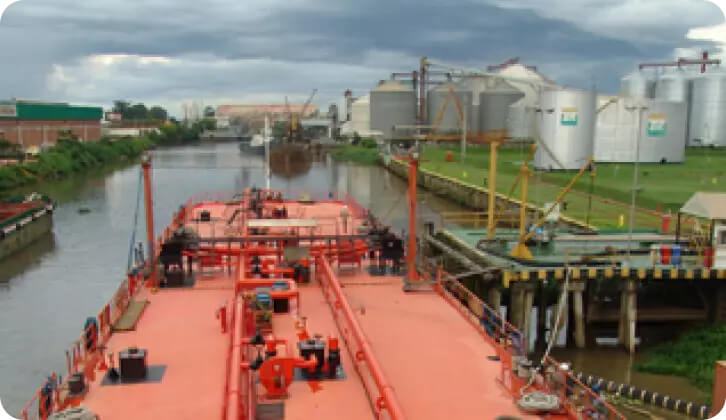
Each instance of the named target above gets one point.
<point>179,331</point>
<point>404,355</point>
<point>436,362</point>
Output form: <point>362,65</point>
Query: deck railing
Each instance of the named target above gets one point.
<point>379,390</point>
<point>575,397</point>
<point>84,354</point>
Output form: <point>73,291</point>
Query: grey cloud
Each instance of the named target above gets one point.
<point>312,43</point>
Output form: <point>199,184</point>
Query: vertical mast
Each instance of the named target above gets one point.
<point>149,205</point>
<point>266,139</point>
<point>412,274</point>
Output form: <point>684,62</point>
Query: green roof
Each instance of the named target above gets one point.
<point>21,110</point>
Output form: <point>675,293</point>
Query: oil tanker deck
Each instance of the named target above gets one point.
<point>264,304</point>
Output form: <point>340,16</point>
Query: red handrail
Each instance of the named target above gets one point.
<point>387,398</point>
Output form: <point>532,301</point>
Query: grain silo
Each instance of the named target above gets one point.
<point>637,85</point>
<point>566,125</point>
<point>476,85</point>
<point>707,125</point>
<point>392,103</point>
<point>521,116</point>
<point>661,126</point>
<point>361,115</point>
<point>494,107</point>
<point>449,122</point>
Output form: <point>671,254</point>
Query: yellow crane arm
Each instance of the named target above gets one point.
<point>557,201</point>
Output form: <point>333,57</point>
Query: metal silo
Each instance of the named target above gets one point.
<point>672,87</point>
<point>707,125</point>
<point>637,85</point>
<point>566,125</point>
<point>494,107</point>
<point>450,120</point>
<point>662,127</point>
<point>392,103</point>
<point>476,85</point>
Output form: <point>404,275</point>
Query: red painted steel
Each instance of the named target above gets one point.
<point>387,398</point>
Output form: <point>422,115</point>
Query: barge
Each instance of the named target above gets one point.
<point>23,221</point>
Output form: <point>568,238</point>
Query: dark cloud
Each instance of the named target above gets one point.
<point>230,49</point>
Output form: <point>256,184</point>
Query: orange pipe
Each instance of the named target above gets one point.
<point>149,205</point>
<point>235,386</point>
<point>384,387</point>
<point>412,274</point>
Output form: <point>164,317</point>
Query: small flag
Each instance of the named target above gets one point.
<point>714,180</point>
<point>464,174</point>
<point>621,220</point>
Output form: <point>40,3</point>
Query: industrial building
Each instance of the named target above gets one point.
<point>253,115</point>
<point>34,125</point>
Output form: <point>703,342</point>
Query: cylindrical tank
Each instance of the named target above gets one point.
<point>672,87</point>
<point>520,121</point>
<point>392,103</point>
<point>662,135</point>
<point>476,85</point>
<point>361,114</point>
<point>566,126</point>
<point>637,85</point>
<point>707,125</point>
<point>450,119</point>
<point>494,107</point>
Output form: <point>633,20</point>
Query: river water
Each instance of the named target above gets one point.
<point>48,289</point>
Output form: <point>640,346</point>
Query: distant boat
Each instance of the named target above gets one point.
<point>256,146</point>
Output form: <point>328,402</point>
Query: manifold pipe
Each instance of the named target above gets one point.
<point>653,398</point>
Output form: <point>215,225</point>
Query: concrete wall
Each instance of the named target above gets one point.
<point>45,133</point>
<point>20,238</point>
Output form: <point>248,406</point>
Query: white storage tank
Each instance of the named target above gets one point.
<point>662,129</point>
<point>566,125</point>
<point>637,85</point>
<point>449,122</point>
<point>707,125</point>
<point>392,103</point>
<point>361,115</point>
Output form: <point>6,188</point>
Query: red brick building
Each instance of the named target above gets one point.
<point>37,124</point>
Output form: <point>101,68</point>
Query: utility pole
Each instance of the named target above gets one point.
<point>464,129</point>
<point>637,110</point>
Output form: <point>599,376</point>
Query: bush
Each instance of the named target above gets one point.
<point>369,143</point>
<point>70,156</point>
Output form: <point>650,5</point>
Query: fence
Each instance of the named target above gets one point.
<point>85,353</point>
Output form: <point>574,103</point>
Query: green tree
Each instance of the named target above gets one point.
<point>121,106</point>
<point>158,113</point>
<point>137,112</point>
<point>209,111</point>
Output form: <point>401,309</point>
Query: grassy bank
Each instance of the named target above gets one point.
<point>363,153</point>
<point>664,187</point>
<point>70,156</point>
<point>693,356</point>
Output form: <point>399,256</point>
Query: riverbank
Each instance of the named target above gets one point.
<point>68,157</point>
<point>364,154</point>
<point>692,356</point>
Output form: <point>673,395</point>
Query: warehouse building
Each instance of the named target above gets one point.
<point>35,125</point>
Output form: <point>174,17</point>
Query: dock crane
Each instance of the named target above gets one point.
<point>294,128</point>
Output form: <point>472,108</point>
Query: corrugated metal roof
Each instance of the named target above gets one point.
<point>28,110</point>
<point>707,205</point>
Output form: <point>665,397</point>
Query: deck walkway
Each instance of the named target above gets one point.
<point>436,362</point>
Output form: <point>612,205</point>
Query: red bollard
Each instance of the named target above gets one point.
<point>666,223</point>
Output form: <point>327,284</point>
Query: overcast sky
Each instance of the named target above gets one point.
<point>244,51</point>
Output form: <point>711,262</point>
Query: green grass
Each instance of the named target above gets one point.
<point>363,154</point>
<point>693,356</point>
<point>70,156</point>
<point>664,187</point>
